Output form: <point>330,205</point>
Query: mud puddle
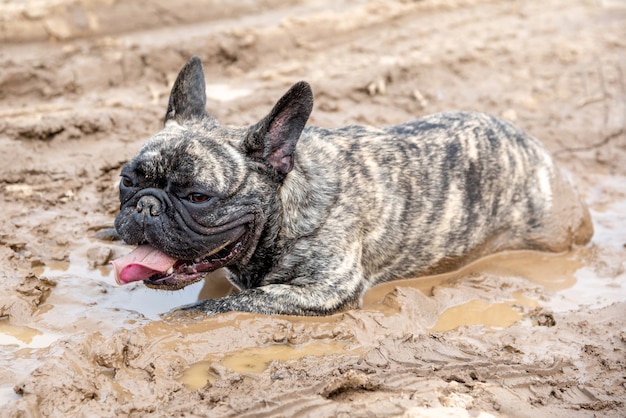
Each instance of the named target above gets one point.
<point>253,361</point>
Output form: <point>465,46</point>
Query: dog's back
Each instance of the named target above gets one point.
<point>434,194</point>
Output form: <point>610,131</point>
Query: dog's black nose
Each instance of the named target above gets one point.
<point>149,206</point>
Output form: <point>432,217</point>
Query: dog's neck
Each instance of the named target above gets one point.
<point>305,195</point>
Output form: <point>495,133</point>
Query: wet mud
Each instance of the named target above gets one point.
<point>520,334</point>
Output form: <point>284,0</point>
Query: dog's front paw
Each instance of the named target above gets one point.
<point>107,234</point>
<point>202,307</point>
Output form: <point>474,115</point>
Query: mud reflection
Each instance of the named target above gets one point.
<point>552,271</point>
<point>480,312</point>
<point>256,360</point>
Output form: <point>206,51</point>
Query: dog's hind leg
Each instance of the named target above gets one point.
<point>565,223</point>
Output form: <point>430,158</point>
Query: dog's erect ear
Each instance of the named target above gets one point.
<point>274,138</point>
<point>188,96</point>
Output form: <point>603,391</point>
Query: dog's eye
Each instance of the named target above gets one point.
<point>197,197</point>
<point>126,182</point>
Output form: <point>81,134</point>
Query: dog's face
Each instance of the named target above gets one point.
<point>200,193</point>
<point>189,195</point>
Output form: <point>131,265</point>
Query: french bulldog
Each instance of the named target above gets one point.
<point>306,219</point>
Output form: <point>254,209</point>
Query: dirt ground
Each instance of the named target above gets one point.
<point>84,82</point>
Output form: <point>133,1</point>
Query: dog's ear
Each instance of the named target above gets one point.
<point>274,138</point>
<point>188,96</point>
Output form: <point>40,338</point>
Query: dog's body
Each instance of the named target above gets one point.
<point>307,229</point>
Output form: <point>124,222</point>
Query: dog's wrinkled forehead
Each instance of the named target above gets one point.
<point>192,154</point>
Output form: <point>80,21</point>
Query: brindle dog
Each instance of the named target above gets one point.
<point>306,219</point>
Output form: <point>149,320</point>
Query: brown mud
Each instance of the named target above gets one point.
<point>84,82</point>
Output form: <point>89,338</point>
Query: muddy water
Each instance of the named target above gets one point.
<point>255,360</point>
<point>83,290</point>
<point>552,271</point>
<point>479,312</point>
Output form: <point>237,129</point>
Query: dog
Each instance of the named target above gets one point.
<point>305,219</point>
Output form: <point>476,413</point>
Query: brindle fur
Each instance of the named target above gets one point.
<point>346,208</point>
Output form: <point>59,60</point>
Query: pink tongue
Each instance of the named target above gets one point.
<point>140,264</point>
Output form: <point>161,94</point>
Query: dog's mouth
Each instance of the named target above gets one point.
<point>160,271</point>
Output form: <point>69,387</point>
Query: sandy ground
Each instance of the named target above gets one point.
<point>84,82</point>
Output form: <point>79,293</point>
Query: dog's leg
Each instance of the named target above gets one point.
<point>325,290</point>
<point>567,222</point>
<point>281,299</point>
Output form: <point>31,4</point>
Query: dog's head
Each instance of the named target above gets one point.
<point>198,194</point>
